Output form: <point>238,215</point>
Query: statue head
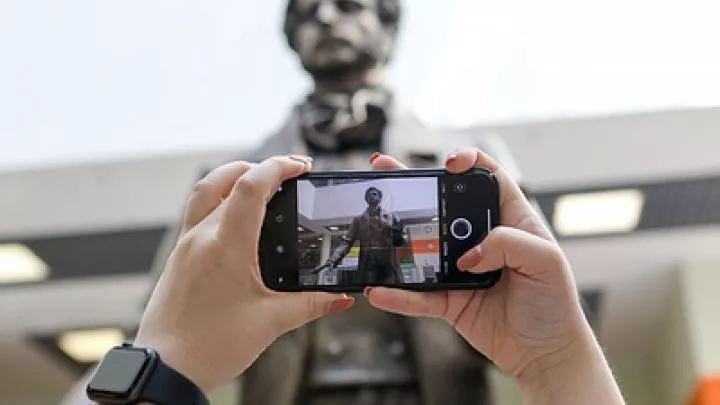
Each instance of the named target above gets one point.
<point>373,196</point>
<point>335,39</point>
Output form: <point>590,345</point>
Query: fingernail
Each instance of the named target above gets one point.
<point>452,156</point>
<point>302,159</point>
<point>366,292</point>
<point>340,305</point>
<point>305,160</point>
<point>470,259</point>
<point>374,156</point>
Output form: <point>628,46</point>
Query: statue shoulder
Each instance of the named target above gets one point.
<point>411,136</point>
<point>279,142</point>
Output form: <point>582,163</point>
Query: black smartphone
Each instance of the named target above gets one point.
<point>344,231</point>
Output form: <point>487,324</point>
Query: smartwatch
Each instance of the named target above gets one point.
<point>130,375</point>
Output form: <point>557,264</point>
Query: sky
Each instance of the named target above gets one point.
<point>86,80</point>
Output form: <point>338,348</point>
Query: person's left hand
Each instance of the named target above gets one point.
<point>210,315</point>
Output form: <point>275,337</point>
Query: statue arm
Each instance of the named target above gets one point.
<point>400,234</point>
<point>345,245</point>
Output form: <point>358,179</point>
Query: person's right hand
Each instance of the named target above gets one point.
<point>531,324</point>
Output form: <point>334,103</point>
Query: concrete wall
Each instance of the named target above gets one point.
<point>635,377</point>
<point>504,389</point>
<point>226,395</point>
<point>674,358</point>
<point>701,285</point>
<point>687,349</point>
<point>637,381</point>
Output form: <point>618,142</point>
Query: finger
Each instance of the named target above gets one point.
<point>245,208</point>
<point>209,192</point>
<point>301,308</point>
<point>515,209</point>
<point>408,303</point>
<point>385,162</point>
<point>464,159</point>
<point>516,250</point>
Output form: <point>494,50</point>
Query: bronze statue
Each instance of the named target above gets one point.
<point>379,234</point>
<point>363,356</point>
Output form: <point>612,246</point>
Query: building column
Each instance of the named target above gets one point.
<point>325,247</point>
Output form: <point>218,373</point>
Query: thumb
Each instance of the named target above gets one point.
<point>302,308</point>
<point>517,250</point>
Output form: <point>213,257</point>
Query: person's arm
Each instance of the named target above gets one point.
<point>577,375</point>
<point>345,245</point>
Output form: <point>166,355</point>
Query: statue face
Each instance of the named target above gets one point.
<point>340,35</point>
<point>373,197</point>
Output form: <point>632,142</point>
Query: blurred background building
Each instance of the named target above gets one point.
<point>110,110</point>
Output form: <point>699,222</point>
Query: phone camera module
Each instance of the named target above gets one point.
<point>459,187</point>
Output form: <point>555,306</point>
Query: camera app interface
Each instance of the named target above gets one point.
<point>361,231</point>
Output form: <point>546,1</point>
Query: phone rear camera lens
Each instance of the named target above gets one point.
<point>460,187</point>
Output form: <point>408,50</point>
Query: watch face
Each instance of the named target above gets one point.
<point>118,372</point>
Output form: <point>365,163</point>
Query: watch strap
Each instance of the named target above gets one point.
<point>166,386</point>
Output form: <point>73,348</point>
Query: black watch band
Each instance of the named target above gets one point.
<point>129,375</point>
<point>166,386</point>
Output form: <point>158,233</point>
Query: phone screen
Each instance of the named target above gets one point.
<point>345,231</point>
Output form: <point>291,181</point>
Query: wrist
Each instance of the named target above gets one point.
<point>180,357</point>
<point>575,374</point>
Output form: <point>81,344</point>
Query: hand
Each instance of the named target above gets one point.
<point>210,315</point>
<point>531,324</point>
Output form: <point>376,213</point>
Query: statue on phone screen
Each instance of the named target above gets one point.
<point>379,233</point>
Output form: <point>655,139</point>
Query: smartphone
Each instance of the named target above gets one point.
<point>344,231</point>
